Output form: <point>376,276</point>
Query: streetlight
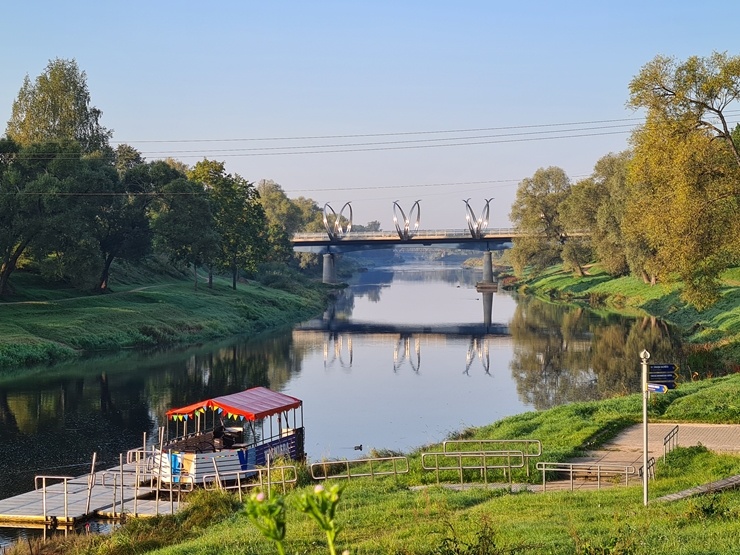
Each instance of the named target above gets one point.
<point>644,356</point>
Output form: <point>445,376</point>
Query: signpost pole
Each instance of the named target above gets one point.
<point>644,355</point>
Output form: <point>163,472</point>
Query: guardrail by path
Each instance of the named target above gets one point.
<point>651,469</point>
<point>358,468</point>
<point>670,441</point>
<point>585,471</point>
<point>530,448</point>
<point>482,461</point>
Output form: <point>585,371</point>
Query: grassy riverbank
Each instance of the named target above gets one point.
<point>50,324</point>
<point>389,516</point>
<point>714,332</point>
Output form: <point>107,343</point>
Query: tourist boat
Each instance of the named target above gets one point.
<point>229,434</point>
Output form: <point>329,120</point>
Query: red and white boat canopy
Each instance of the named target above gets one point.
<point>256,403</point>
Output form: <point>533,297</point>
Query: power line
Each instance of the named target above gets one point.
<point>387,134</point>
<point>491,182</point>
<point>384,143</point>
<point>320,150</point>
<point>355,147</point>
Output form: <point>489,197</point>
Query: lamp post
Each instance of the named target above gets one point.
<point>644,356</point>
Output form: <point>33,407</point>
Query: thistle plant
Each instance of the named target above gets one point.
<point>268,515</point>
<point>321,505</point>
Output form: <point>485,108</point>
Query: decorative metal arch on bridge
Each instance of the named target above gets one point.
<point>477,225</point>
<point>406,233</point>
<point>339,226</point>
<point>334,225</point>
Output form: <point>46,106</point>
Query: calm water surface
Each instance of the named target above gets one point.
<point>407,356</point>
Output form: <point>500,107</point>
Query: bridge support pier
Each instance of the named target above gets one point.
<point>487,297</point>
<point>487,267</point>
<point>329,274</point>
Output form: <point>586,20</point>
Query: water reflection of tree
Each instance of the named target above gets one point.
<point>52,425</point>
<point>564,354</point>
<point>268,362</point>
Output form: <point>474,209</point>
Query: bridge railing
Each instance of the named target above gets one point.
<point>421,234</point>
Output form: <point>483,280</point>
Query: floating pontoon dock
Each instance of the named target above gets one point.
<point>248,429</point>
<point>65,501</point>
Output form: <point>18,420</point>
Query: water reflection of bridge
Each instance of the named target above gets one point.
<point>338,350</point>
<point>371,328</point>
<point>335,335</point>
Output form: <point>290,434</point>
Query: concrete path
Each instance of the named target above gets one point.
<point>626,448</point>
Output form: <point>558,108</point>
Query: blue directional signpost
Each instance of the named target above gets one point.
<point>656,388</point>
<point>663,374</point>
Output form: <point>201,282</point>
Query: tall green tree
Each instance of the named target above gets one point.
<point>595,206</point>
<point>610,176</point>
<point>87,199</point>
<point>183,224</point>
<point>122,229</point>
<point>535,215</point>
<point>240,219</point>
<point>312,218</point>
<point>578,212</point>
<point>696,92</point>
<point>56,106</point>
<point>686,168</point>
<point>283,219</point>
<point>682,204</point>
<point>126,158</point>
<point>38,186</point>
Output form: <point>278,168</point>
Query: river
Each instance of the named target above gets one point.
<point>407,356</point>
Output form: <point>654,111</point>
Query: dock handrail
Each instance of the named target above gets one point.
<point>670,441</point>
<point>140,455</point>
<point>44,478</point>
<point>348,465</point>
<point>601,470</point>
<point>532,447</point>
<point>116,479</point>
<point>240,480</point>
<point>474,460</point>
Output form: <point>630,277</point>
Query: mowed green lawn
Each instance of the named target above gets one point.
<point>46,330</point>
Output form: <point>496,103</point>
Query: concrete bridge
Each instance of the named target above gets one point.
<point>331,244</point>
<point>338,237</point>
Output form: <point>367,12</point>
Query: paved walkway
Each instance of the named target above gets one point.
<point>626,448</point>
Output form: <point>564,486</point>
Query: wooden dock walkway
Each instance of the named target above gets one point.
<point>60,501</point>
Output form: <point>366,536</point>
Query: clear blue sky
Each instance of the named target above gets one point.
<point>208,74</point>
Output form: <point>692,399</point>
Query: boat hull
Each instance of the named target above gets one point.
<point>197,468</point>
